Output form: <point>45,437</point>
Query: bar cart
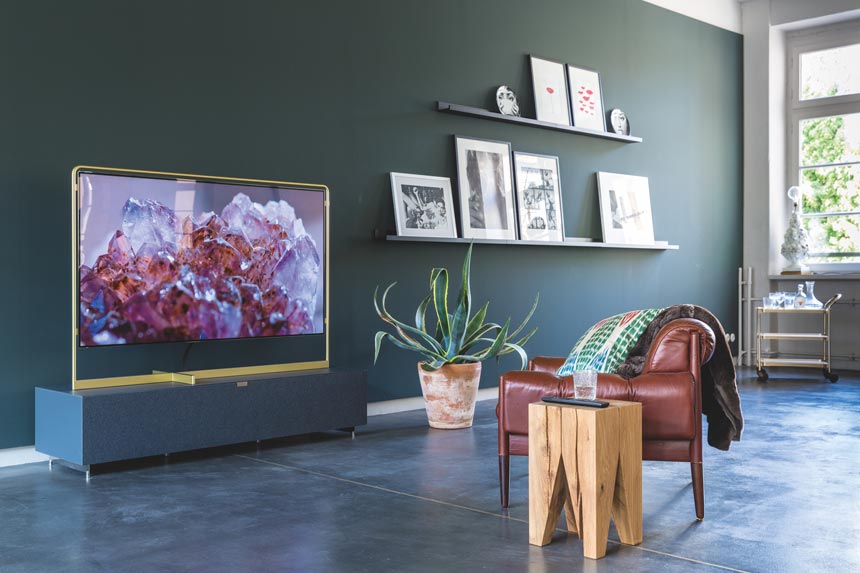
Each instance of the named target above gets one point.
<point>824,337</point>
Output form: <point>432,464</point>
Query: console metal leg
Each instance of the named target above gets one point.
<point>350,430</point>
<point>71,465</point>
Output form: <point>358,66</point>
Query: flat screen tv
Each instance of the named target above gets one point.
<point>165,258</point>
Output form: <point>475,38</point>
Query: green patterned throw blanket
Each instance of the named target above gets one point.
<point>606,344</point>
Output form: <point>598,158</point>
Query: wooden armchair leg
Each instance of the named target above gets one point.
<point>698,489</point>
<point>504,478</point>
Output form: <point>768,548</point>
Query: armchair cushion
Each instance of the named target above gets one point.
<point>605,345</point>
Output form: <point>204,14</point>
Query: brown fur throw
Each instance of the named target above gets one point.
<point>720,400</point>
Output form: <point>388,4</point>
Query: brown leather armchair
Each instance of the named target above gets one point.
<point>668,388</point>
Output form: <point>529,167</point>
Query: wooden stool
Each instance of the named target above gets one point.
<point>588,460</point>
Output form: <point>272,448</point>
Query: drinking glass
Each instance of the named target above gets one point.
<point>776,299</point>
<point>585,384</point>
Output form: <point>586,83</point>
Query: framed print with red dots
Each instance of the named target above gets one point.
<point>586,99</point>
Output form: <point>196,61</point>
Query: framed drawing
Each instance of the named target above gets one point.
<point>423,206</point>
<point>485,178</point>
<point>550,89</point>
<point>586,98</point>
<point>625,209</point>
<point>538,197</point>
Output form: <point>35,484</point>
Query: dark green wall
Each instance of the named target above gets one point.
<point>342,93</point>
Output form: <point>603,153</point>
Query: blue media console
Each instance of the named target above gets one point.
<point>87,427</point>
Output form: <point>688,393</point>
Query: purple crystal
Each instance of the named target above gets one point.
<point>298,271</point>
<point>119,249</point>
<point>245,216</point>
<point>253,271</point>
<point>283,214</point>
<point>148,221</point>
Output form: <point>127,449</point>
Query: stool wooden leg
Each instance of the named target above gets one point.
<point>597,449</point>
<point>570,515</point>
<point>627,503</point>
<point>547,481</point>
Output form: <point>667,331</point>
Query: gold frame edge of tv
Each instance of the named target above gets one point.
<point>190,377</point>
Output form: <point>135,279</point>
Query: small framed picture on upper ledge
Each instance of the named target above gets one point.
<point>550,91</point>
<point>586,98</point>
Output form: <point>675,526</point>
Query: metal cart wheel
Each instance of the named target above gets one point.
<point>830,375</point>
<point>762,375</point>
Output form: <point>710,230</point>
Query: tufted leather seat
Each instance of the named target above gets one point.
<point>669,390</point>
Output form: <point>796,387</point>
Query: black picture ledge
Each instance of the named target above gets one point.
<point>568,243</point>
<point>482,113</point>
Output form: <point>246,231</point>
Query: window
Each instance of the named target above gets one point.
<point>824,136</point>
<point>827,73</point>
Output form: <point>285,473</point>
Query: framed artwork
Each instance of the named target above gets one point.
<point>550,88</point>
<point>423,206</point>
<point>538,197</point>
<point>485,178</point>
<point>625,209</point>
<point>586,98</point>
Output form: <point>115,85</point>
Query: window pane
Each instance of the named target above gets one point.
<point>830,72</point>
<point>831,189</point>
<point>832,139</point>
<point>833,234</point>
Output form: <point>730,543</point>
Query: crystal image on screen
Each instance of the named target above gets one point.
<point>168,260</point>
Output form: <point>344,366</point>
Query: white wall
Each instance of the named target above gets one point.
<point>766,208</point>
<point>756,225</point>
<point>722,13</point>
<point>810,12</point>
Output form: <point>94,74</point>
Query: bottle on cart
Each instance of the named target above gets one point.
<point>800,298</point>
<point>811,301</point>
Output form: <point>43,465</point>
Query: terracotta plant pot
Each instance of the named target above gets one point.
<point>449,394</point>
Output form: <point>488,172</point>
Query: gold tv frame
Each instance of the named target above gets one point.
<point>190,377</point>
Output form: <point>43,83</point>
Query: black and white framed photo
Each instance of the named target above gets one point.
<point>550,88</point>
<point>586,98</point>
<point>625,209</point>
<point>485,178</point>
<point>423,206</point>
<point>538,197</point>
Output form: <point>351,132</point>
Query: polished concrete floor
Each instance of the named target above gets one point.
<point>401,497</point>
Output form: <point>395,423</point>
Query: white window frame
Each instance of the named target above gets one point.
<point>800,42</point>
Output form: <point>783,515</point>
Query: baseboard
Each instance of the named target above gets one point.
<point>22,455</point>
<point>417,403</point>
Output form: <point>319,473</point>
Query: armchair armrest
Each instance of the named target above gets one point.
<point>521,387</point>
<point>671,350</point>
<point>549,364</point>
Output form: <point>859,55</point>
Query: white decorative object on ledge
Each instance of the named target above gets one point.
<point>795,244</point>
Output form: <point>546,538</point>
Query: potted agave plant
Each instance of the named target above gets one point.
<point>453,350</point>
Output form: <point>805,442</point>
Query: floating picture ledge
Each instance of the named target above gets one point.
<point>482,113</point>
<point>569,242</point>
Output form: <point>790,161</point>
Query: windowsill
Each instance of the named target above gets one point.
<point>818,276</point>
